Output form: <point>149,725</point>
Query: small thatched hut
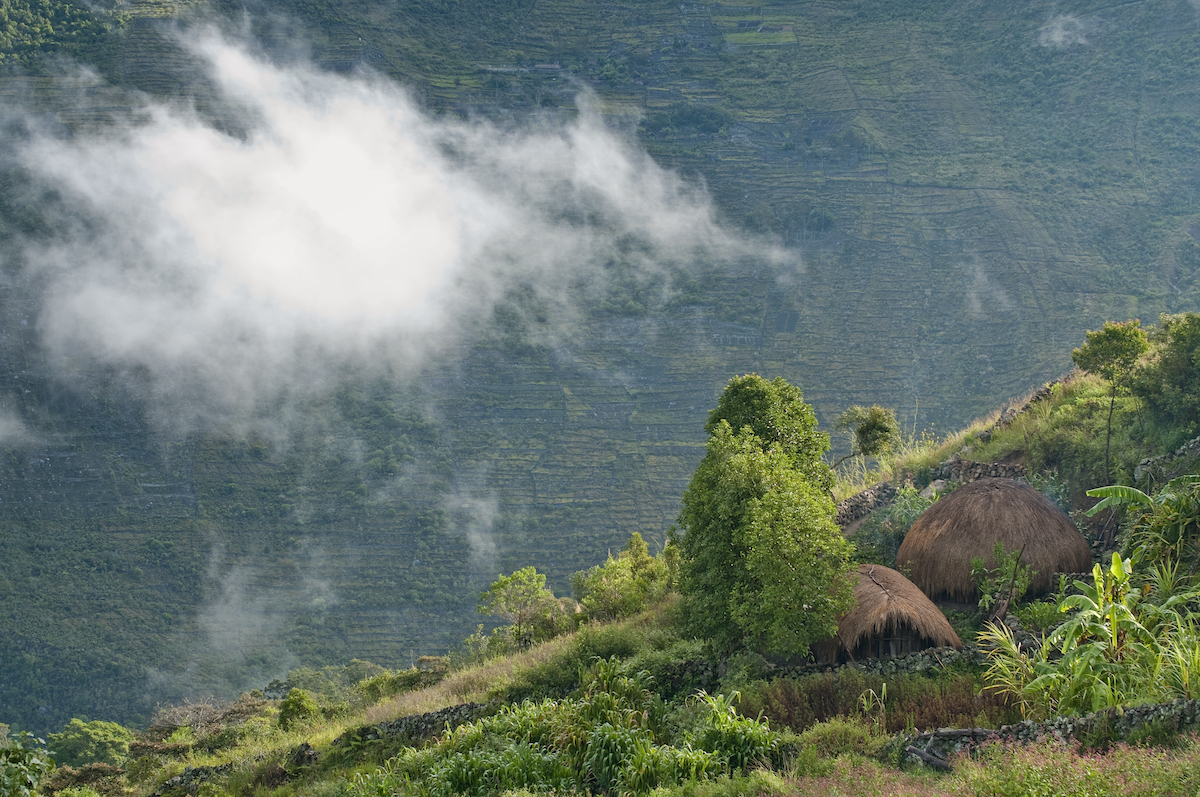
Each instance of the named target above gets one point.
<point>967,523</point>
<point>891,617</point>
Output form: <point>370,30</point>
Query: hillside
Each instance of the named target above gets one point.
<point>960,189</point>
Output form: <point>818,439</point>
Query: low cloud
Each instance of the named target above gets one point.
<point>1064,30</point>
<point>983,295</point>
<point>13,431</point>
<point>326,223</point>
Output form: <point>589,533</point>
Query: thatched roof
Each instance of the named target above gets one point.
<point>888,604</point>
<point>938,549</point>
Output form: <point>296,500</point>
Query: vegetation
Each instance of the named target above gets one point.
<point>107,576</point>
<point>1113,353</point>
<point>1168,381</point>
<point>874,431</point>
<point>628,584</point>
<point>879,536</point>
<point>761,561</point>
<point>523,600</point>
<point>91,742</point>
<point>24,762</point>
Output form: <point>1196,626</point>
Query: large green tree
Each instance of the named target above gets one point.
<point>762,562</point>
<point>775,411</point>
<point>95,742</point>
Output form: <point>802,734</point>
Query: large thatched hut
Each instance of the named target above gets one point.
<point>891,617</point>
<point>967,523</point>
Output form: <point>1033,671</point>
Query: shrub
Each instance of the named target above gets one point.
<point>1168,380</point>
<point>835,737</point>
<point>98,741</point>
<point>625,585</point>
<point>298,708</point>
<point>878,538</point>
<point>737,741</point>
<point>390,683</point>
<point>23,763</point>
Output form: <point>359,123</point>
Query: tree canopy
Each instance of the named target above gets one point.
<point>97,741</point>
<point>524,601</point>
<point>625,584</point>
<point>1169,381</point>
<point>775,411</point>
<point>874,430</point>
<point>761,560</point>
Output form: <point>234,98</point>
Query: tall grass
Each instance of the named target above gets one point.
<point>913,457</point>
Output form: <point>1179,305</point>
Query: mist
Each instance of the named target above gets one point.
<point>327,222</point>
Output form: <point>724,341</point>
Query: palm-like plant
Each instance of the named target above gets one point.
<point>1168,529</point>
<point>1122,644</point>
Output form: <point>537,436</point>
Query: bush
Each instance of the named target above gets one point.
<point>23,764</point>
<point>98,742</point>
<point>391,683</point>
<point>737,741</point>
<point>835,737</point>
<point>623,586</point>
<point>298,708</point>
<point>878,539</point>
<point>1169,380</point>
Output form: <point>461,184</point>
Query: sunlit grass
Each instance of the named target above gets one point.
<point>920,452</point>
<point>914,454</point>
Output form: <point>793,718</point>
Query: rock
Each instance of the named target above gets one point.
<point>935,486</point>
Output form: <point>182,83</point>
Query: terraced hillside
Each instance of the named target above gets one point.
<point>967,186</point>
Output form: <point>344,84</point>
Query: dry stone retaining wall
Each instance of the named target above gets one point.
<point>417,728</point>
<point>1098,728</point>
<point>862,504</point>
<point>1160,470</point>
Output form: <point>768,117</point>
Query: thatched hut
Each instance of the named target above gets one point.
<point>967,523</point>
<point>891,617</point>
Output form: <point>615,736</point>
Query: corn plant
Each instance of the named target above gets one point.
<point>1121,644</point>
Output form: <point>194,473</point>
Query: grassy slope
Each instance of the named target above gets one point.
<point>967,199</point>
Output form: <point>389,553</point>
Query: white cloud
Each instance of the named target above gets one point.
<point>344,226</point>
<point>1063,30</point>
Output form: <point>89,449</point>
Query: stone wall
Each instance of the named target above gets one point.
<point>1160,470</point>
<point>1100,728</point>
<point>862,504</point>
<point>963,471</point>
<point>901,665</point>
<point>417,728</point>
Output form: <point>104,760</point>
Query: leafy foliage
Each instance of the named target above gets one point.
<point>523,600</point>
<point>32,27</point>
<point>24,762</point>
<point>97,741</point>
<point>761,558</point>
<point>1169,381</point>
<point>778,418</point>
<point>1112,352</point>
<point>879,537</point>
<point>1007,581</point>
<point>610,737</point>
<point>1167,531</point>
<point>1120,645</point>
<point>624,585</point>
<point>874,430</point>
<point>298,708</point>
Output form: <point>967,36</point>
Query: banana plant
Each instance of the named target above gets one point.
<point>1168,528</point>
